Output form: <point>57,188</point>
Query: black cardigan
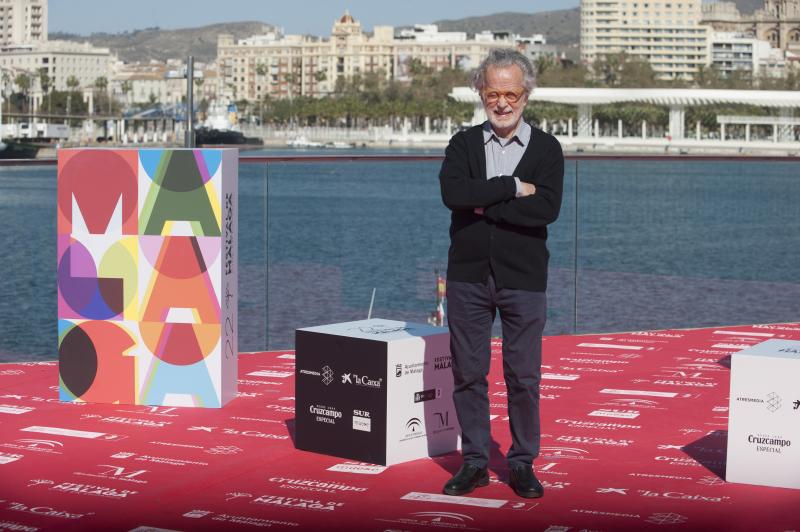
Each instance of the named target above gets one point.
<point>509,239</point>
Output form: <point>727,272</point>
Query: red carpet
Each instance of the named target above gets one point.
<point>635,439</point>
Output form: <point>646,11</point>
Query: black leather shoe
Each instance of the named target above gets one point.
<point>467,479</point>
<point>524,482</point>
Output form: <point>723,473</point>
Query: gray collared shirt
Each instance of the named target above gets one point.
<point>503,155</point>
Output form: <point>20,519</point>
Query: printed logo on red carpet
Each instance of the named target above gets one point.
<point>314,485</point>
<point>447,520</point>
<point>450,499</point>
<point>579,424</point>
<point>39,446</point>
<point>48,511</point>
<point>14,409</point>
<point>591,370</point>
<point>16,527</point>
<point>686,461</point>
<point>593,440</point>
<point>667,519</point>
<point>58,431</point>
<point>737,347</point>
<point>662,494</point>
<point>620,414</point>
<point>297,503</point>
<point>565,453</point>
<point>560,377</point>
<point>634,403</point>
<point>251,382</point>
<point>617,346</point>
<point>270,373</point>
<point>157,459</point>
<point>258,419</point>
<point>361,468</point>
<point>659,476</point>
<point>603,513</point>
<point>7,458</point>
<point>238,519</point>
<point>282,409</point>
<point>646,393</point>
<point>248,394</point>
<point>163,411</point>
<point>83,489</point>
<point>657,334</point>
<point>149,423</point>
<point>236,432</point>
<point>116,473</point>
<point>596,361</point>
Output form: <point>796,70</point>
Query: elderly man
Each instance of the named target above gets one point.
<point>502,180</point>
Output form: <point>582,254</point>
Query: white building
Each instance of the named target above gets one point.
<point>160,82</point>
<point>668,34</point>
<point>293,65</point>
<point>430,33</point>
<point>732,52</point>
<point>60,60</point>
<point>23,21</point>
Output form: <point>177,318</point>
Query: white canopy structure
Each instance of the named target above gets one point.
<point>676,99</point>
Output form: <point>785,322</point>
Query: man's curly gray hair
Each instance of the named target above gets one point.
<point>504,57</point>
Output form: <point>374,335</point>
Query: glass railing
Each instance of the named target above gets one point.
<point>641,243</point>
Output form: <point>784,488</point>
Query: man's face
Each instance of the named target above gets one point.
<point>502,85</point>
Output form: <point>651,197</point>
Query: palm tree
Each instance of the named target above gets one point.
<point>6,80</point>
<point>23,83</point>
<point>44,83</point>
<point>101,84</point>
<point>126,87</point>
<point>261,71</point>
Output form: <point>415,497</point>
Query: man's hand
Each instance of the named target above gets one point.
<point>528,189</point>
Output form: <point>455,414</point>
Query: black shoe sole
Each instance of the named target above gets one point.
<point>482,483</point>
<point>528,494</point>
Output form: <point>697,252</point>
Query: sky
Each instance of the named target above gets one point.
<point>295,16</point>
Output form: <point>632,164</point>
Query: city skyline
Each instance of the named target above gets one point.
<point>93,16</point>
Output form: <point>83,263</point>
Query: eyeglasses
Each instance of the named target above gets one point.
<point>492,96</point>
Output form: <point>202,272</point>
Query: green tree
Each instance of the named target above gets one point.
<point>624,70</point>
<point>562,74</point>
<point>45,83</point>
<point>23,83</point>
<point>126,87</point>
<point>101,84</point>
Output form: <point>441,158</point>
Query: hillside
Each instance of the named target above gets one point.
<point>155,43</point>
<point>560,27</point>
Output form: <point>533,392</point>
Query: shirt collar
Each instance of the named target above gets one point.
<point>522,135</point>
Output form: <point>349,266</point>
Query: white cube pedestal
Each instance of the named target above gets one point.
<point>764,415</point>
<point>375,390</point>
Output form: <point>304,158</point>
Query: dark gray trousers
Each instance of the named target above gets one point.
<point>471,310</point>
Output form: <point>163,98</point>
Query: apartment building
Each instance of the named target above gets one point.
<point>160,81</point>
<point>23,21</point>
<point>287,66</point>
<point>735,52</point>
<point>777,22</point>
<point>666,33</point>
<point>60,60</point>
